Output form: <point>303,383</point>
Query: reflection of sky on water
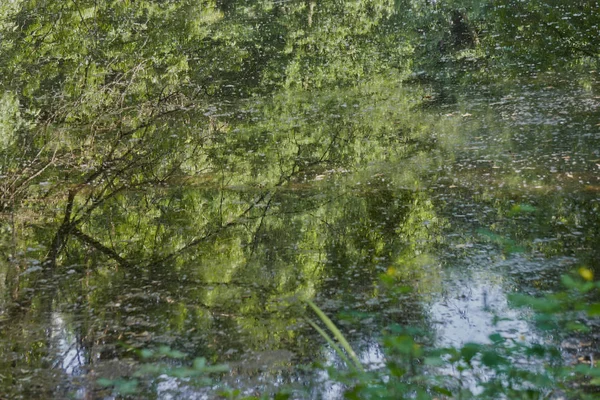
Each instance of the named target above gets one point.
<point>474,300</point>
<point>71,359</point>
<point>70,356</point>
<point>467,310</point>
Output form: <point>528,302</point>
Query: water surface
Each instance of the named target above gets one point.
<point>419,200</point>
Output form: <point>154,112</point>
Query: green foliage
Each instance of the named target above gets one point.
<point>565,312</point>
<point>121,386</point>
<point>507,245</point>
<point>157,363</point>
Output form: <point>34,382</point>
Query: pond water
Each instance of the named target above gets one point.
<point>506,199</point>
<point>418,200</point>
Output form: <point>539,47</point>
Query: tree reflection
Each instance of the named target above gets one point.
<point>187,172</point>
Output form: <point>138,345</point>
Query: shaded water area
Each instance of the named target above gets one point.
<point>195,223</point>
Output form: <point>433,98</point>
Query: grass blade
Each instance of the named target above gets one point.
<point>337,334</point>
<point>330,341</point>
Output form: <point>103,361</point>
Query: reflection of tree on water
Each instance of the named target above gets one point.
<point>218,259</point>
<point>184,174</point>
<point>133,260</point>
<point>215,293</point>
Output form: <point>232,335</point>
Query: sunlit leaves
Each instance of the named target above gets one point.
<point>10,120</point>
<point>343,43</point>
